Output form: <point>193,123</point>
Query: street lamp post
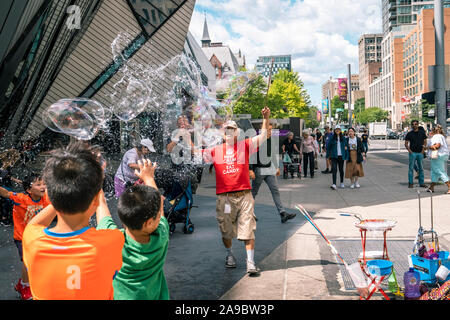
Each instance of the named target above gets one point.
<point>440,98</point>
<point>329,103</point>
<point>349,89</point>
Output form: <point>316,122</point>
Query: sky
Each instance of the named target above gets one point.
<point>321,35</point>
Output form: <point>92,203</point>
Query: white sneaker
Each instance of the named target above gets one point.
<point>352,186</point>
<point>357,185</point>
<point>342,186</point>
<point>333,186</point>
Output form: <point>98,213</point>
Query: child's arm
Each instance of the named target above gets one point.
<point>4,193</point>
<point>102,209</point>
<point>146,172</point>
<point>44,217</point>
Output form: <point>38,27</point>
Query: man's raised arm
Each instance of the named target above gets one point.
<point>259,139</point>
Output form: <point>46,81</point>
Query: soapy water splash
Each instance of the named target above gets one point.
<point>135,93</point>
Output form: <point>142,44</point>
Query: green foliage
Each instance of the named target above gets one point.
<point>253,100</point>
<point>311,120</point>
<point>338,104</point>
<point>425,108</point>
<point>287,97</point>
<point>373,114</point>
<point>359,105</point>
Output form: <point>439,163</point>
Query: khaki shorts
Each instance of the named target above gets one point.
<point>240,223</point>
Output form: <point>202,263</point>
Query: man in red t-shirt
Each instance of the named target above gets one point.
<point>235,203</point>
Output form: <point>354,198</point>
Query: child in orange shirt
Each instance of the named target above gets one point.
<point>26,206</point>
<point>72,261</point>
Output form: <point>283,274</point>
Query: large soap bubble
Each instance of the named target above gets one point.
<point>130,98</point>
<point>80,118</point>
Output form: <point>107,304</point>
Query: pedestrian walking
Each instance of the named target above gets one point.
<point>439,154</point>
<point>415,143</point>
<point>317,146</point>
<point>319,140</point>
<point>235,203</point>
<point>266,168</point>
<point>325,139</point>
<point>308,152</point>
<point>336,152</point>
<point>365,141</point>
<point>355,157</point>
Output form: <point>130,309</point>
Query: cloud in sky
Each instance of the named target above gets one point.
<point>321,35</point>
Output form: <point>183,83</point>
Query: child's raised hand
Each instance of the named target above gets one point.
<point>146,170</point>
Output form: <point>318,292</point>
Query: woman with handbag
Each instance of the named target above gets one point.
<point>355,157</point>
<point>308,151</point>
<point>439,153</point>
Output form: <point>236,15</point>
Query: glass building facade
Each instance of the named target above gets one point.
<point>264,64</point>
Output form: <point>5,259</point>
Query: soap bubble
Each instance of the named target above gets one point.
<point>130,98</point>
<point>80,118</point>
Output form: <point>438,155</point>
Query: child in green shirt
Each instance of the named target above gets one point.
<point>140,209</point>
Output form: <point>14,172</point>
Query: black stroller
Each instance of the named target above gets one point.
<point>178,205</point>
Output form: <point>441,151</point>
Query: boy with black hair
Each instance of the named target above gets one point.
<point>72,261</point>
<point>140,209</point>
<point>26,206</point>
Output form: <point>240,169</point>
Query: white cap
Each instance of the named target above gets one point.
<point>337,127</point>
<point>149,144</point>
<point>230,124</point>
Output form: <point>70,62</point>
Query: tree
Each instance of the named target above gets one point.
<point>253,100</point>
<point>311,120</point>
<point>286,100</point>
<point>336,104</point>
<point>360,105</point>
<point>426,107</point>
<point>287,97</point>
<point>373,114</point>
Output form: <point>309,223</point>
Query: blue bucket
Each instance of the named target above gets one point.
<point>379,267</point>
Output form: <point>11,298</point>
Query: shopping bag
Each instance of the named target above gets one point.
<point>286,158</point>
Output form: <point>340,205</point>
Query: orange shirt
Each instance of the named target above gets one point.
<point>25,208</point>
<point>79,265</point>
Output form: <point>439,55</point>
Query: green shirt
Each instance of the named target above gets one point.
<point>141,276</point>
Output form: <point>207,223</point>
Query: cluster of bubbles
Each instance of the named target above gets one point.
<point>134,91</point>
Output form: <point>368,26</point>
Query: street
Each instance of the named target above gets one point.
<point>295,261</point>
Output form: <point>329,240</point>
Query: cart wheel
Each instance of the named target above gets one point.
<point>172,228</point>
<point>189,229</point>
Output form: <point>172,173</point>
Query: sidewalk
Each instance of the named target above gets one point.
<point>303,267</point>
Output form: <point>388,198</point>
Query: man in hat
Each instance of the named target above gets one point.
<point>235,203</point>
<point>125,176</point>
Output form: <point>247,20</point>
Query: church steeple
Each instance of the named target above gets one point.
<point>206,41</point>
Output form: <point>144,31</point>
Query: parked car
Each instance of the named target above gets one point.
<point>392,134</point>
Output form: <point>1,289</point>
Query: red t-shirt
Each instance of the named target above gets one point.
<point>232,165</point>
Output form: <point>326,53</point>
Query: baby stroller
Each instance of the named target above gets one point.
<point>178,205</point>
<point>291,165</point>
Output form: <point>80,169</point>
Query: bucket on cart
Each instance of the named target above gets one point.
<point>428,268</point>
